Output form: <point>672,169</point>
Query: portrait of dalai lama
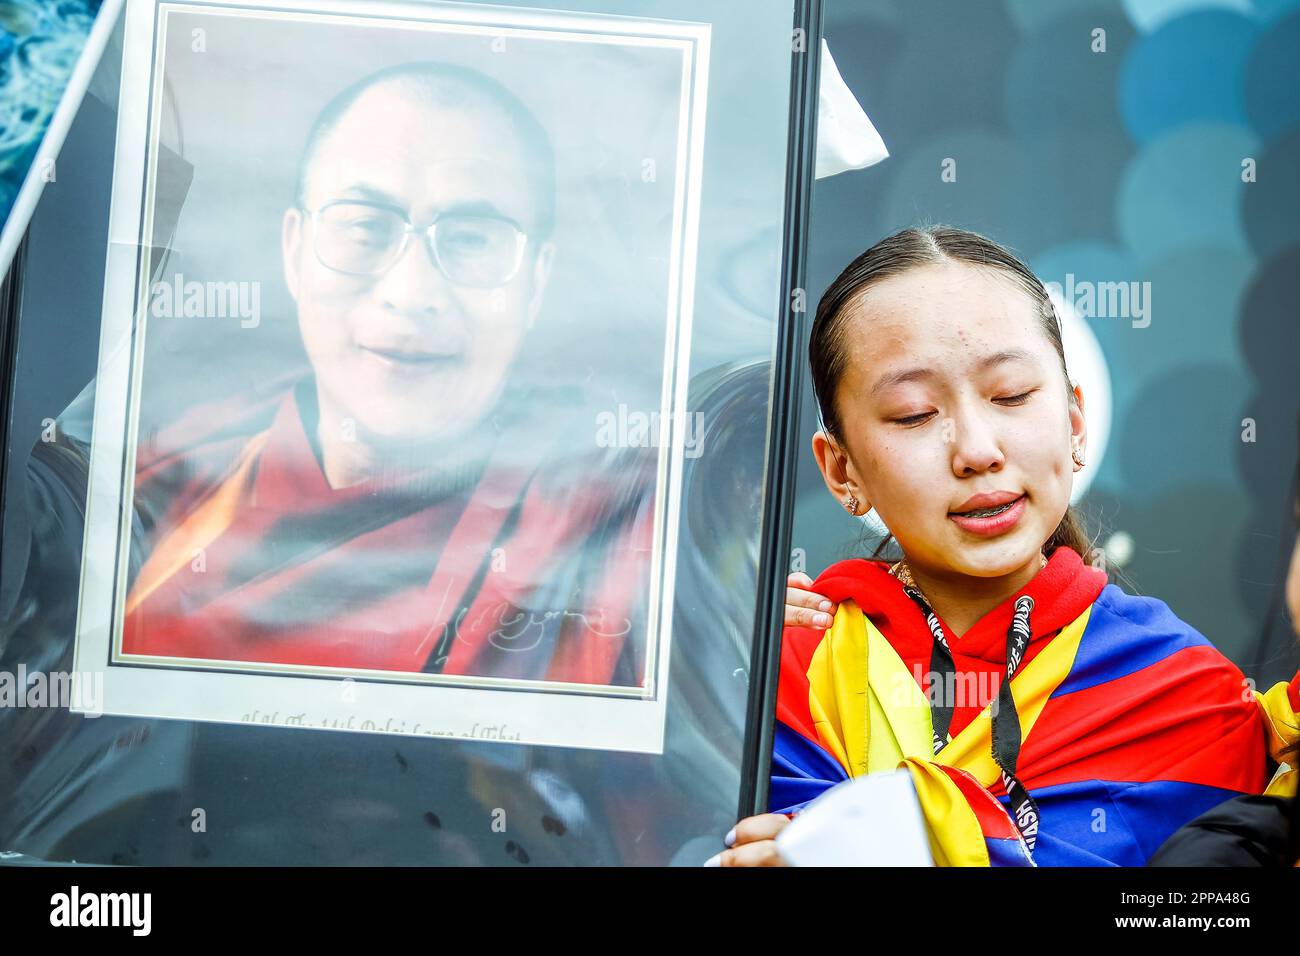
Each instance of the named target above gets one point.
<point>400,508</point>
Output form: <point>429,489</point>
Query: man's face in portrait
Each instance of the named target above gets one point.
<point>411,334</point>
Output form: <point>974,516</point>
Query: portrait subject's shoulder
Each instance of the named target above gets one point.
<point>576,469</point>
<point>206,428</point>
<point>178,464</point>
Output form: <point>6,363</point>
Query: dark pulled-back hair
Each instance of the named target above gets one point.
<point>446,84</point>
<point>828,354</point>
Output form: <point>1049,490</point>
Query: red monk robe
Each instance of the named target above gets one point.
<point>504,563</point>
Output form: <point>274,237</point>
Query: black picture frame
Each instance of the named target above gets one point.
<point>784,444</point>
<point>11,296</point>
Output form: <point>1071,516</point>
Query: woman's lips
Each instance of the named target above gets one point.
<point>993,524</point>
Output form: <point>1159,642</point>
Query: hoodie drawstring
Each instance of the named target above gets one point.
<point>1006,722</point>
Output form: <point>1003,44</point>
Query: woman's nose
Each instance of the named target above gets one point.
<point>975,446</point>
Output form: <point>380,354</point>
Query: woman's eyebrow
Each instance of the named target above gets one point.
<point>895,378</point>
<point>1007,355</point>
<point>912,374</point>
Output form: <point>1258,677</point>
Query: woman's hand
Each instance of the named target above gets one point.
<point>753,842</point>
<point>805,607</point>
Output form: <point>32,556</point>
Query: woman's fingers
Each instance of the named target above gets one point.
<point>763,853</point>
<point>804,607</point>
<point>764,826</point>
<point>753,842</point>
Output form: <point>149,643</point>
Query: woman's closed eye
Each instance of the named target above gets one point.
<point>1009,401</point>
<point>1013,400</point>
<point>912,420</point>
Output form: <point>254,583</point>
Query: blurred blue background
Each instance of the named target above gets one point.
<point>40,41</point>
<point>1115,156</point>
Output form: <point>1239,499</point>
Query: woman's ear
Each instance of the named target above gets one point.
<point>1078,427</point>
<point>839,474</point>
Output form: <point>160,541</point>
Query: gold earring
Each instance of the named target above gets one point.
<point>1077,455</point>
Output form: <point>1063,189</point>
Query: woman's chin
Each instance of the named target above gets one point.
<point>994,562</point>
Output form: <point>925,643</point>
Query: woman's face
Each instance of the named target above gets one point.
<point>953,390</point>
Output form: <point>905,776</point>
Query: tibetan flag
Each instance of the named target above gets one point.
<point>1280,707</point>
<point>1132,723</point>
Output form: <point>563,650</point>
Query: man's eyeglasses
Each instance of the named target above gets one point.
<point>368,238</point>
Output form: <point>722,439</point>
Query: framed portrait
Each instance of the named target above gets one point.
<point>414,177</point>
<point>410,443</point>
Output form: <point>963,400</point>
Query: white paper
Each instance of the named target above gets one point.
<point>874,820</point>
<point>846,137</point>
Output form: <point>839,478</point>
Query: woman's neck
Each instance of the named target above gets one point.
<point>961,600</point>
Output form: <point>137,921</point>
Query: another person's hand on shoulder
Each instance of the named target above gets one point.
<point>804,607</point>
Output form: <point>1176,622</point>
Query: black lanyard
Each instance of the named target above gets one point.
<point>1006,722</point>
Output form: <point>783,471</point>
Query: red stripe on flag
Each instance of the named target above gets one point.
<point>1186,718</point>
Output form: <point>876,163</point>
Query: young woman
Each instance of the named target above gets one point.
<point>1045,716</point>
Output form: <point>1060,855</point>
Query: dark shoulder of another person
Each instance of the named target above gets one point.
<point>1253,830</point>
